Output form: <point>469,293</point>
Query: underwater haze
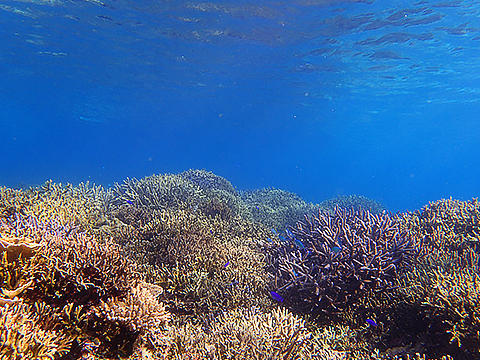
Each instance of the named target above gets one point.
<point>317,97</point>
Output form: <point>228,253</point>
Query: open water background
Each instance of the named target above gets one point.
<point>321,98</point>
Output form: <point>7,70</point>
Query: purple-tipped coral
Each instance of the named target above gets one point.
<point>343,256</point>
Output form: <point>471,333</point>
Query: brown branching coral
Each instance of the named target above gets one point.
<point>195,190</point>
<point>356,202</point>
<point>140,310</point>
<point>21,336</point>
<point>73,274</point>
<point>66,276</point>
<point>444,300</point>
<point>207,180</point>
<point>446,224</point>
<point>245,334</point>
<point>79,271</point>
<point>276,208</point>
<point>58,206</point>
<point>443,287</point>
<point>204,264</point>
<point>15,254</point>
<point>158,192</point>
<point>333,260</point>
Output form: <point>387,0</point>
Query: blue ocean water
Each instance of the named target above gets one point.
<point>318,97</point>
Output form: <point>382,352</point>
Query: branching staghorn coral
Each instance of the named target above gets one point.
<point>207,180</point>
<point>341,340</point>
<point>333,260</point>
<point>73,274</point>
<point>141,311</point>
<point>21,334</point>
<point>276,208</point>
<point>356,202</point>
<point>157,192</point>
<point>446,224</point>
<point>22,338</point>
<point>196,190</point>
<point>56,205</point>
<point>443,287</point>
<point>67,276</point>
<point>447,295</point>
<point>204,264</point>
<point>245,334</point>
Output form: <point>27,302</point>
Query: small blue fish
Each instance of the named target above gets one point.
<point>270,240</point>
<point>274,231</point>
<point>282,238</point>
<point>336,249</point>
<point>257,207</point>
<point>129,201</point>
<point>225,266</point>
<point>276,296</point>
<point>371,322</point>
<point>299,244</point>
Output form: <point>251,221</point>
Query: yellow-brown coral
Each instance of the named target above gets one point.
<point>246,334</point>
<point>21,337</point>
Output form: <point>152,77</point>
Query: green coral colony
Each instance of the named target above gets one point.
<point>184,266</point>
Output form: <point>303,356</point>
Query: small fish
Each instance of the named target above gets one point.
<point>274,231</point>
<point>299,244</point>
<point>289,233</point>
<point>129,201</point>
<point>257,207</point>
<point>228,263</point>
<point>282,238</point>
<point>269,240</point>
<point>276,296</point>
<point>371,322</point>
<point>336,249</point>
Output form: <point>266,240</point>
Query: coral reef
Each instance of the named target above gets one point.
<point>333,261</point>
<point>204,264</point>
<point>195,190</point>
<point>159,192</point>
<point>64,277</point>
<point>444,286</point>
<point>22,337</point>
<point>356,202</point>
<point>186,267</point>
<point>246,334</point>
<point>276,208</point>
<point>207,180</point>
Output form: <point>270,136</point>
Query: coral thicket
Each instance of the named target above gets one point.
<point>185,266</point>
